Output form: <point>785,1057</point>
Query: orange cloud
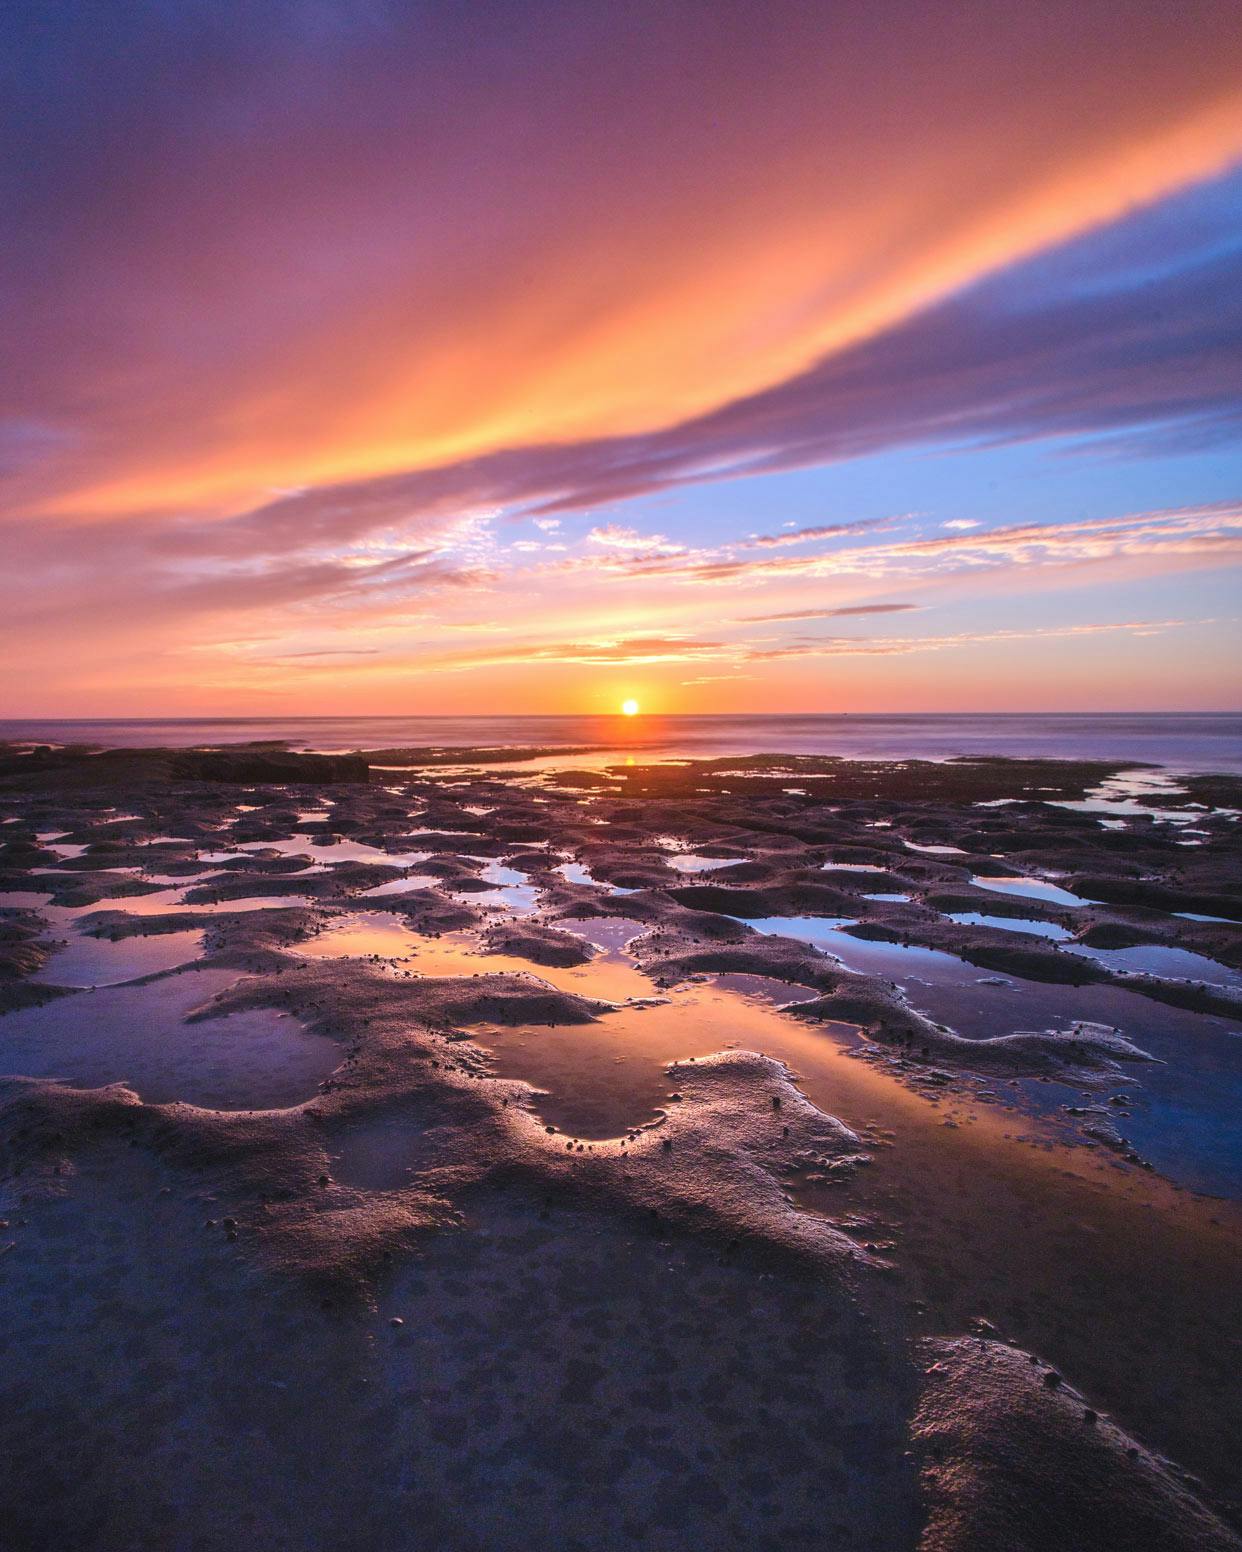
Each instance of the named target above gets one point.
<point>643,220</point>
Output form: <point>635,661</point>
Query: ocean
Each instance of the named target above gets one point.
<point>1181,742</point>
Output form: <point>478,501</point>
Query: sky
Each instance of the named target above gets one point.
<point>728,355</point>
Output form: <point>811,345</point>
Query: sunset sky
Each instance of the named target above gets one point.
<point>524,356</point>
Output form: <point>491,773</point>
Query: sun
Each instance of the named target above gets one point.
<point>629,708</point>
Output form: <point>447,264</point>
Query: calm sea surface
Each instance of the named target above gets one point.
<point>1190,742</point>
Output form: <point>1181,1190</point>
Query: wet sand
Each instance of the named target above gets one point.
<point>506,1059</point>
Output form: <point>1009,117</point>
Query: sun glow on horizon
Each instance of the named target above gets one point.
<point>629,708</point>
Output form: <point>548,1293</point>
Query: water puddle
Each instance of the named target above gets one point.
<point>693,862</point>
<point>510,889</point>
<point>764,988</point>
<point>606,932</point>
<point>1029,889</point>
<point>819,930</point>
<point>1163,960</point>
<point>249,903</point>
<point>401,886</point>
<point>1139,794</point>
<point>336,851</point>
<point>87,962</point>
<point>599,1079</point>
<point>1185,1116</point>
<point>169,902</point>
<point>364,935</point>
<point>158,903</point>
<point>258,1059</point>
<point>1039,929</point>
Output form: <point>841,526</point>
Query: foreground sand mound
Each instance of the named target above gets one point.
<point>1015,1459</point>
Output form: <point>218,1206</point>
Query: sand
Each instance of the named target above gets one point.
<point>574,1195</point>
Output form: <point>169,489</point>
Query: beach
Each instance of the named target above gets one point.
<point>472,1141</point>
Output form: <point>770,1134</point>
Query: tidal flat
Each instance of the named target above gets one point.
<point>771,1150</point>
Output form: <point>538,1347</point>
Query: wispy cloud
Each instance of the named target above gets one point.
<point>1213,532</point>
<point>639,651</point>
<point>827,614</point>
<point>823,531</point>
<point>316,389</point>
<point>612,536</point>
<point>901,646</point>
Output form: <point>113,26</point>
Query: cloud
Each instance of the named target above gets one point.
<point>630,651</point>
<point>828,614</point>
<point>614,537</point>
<point>146,576</point>
<point>1133,352</point>
<point>1026,354</point>
<point>824,531</point>
<point>366,250</point>
<point>380,296</point>
<point>288,657</point>
<point>716,679</point>
<point>903,646</point>
<point>637,649</point>
<point>1206,534</point>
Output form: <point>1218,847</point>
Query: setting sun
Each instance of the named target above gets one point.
<point>629,708</point>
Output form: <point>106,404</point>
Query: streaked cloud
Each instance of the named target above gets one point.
<point>302,245</point>
<point>828,614</point>
<point>1214,532</point>
<point>614,537</point>
<point>350,341</point>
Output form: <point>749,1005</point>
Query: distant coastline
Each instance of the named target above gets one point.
<point>1178,741</point>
